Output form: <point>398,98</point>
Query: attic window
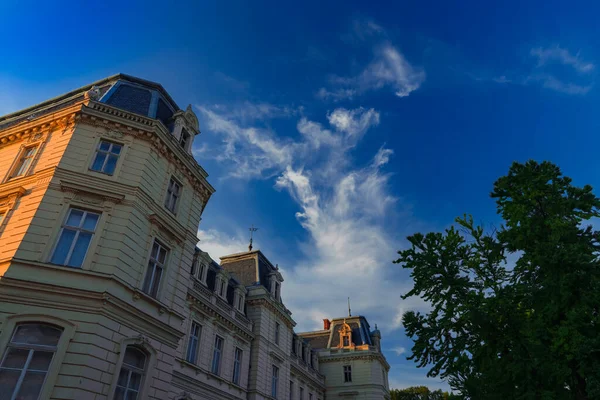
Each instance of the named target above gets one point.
<point>184,139</point>
<point>346,336</point>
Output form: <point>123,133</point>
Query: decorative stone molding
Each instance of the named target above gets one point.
<point>8,198</point>
<point>33,130</point>
<point>92,94</point>
<point>214,316</point>
<point>262,302</point>
<point>89,195</point>
<point>177,234</point>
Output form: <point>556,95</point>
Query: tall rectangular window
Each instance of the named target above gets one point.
<point>237,365</point>
<point>310,396</point>
<point>156,266</point>
<point>184,139</point>
<point>107,155</point>
<point>173,194</point>
<point>347,373</point>
<point>193,344</point>
<point>274,381</point>
<point>24,162</point>
<point>301,394</point>
<point>217,352</point>
<point>291,390</point>
<point>27,359</point>
<point>277,327</point>
<point>75,237</point>
<point>131,375</point>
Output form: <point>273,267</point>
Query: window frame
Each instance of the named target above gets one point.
<point>9,323</point>
<point>197,339</point>
<point>131,370</point>
<point>31,349</point>
<point>237,365</point>
<point>108,153</point>
<point>155,262</point>
<point>16,165</point>
<point>151,359</point>
<point>184,143</point>
<point>274,381</point>
<point>77,230</point>
<point>170,195</point>
<point>347,369</point>
<point>217,351</point>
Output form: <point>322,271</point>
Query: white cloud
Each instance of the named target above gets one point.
<point>399,350</point>
<point>218,244</point>
<point>551,82</point>
<point>389,68</point>
<point>561,56</point>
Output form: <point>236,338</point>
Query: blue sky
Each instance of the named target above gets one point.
<point>340,128</point>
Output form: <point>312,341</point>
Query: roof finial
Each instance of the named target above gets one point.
<point>349,311</point>
<point>252,229</point>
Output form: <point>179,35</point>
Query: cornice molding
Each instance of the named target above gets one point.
<point>307,376</point>
<point>212,312</point>
<point>77,188</point>
<point>103,303</point>
<point>268,303</point>
<point>28,130</point>
<point>115,119</point>
<point>349,356</point>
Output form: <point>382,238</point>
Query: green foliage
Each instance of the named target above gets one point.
<point>420,393</point>
<point>528,329</point>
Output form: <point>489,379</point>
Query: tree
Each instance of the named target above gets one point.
<point>501,331</point>
<point>419,393</point>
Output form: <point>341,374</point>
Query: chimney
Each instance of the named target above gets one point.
<point>326,324</point>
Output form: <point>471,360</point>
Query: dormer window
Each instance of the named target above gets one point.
<point>222,287</point>
<point>346,336</point>
<point>184,139</point>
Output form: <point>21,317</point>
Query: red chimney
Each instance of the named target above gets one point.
<point>326,324</point>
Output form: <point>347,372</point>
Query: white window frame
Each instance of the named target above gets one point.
<point>20,161</point>
<point>217,355</point>
<point>238,355</point>
<point>274,381</point>
<point>173,197</point>
<point>107,153</point>
<point>77,230</point>
<point>152,265</point>
<point>194,342</point>
<point>31,348</point>
<point>347,373</point>
<point>131,370</point>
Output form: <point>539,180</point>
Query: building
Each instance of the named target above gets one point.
<point>103,292</point>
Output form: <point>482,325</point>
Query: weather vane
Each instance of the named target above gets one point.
<point>252,229</point>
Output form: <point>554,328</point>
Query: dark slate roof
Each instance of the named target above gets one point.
<point>76,95</point>
<point>318,342</point>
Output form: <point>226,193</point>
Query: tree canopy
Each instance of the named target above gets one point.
<point>514,310</point>
<point>419,393</point>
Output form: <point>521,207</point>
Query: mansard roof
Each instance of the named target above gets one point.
<point>251,268</point>
<point>103,86</point>
<point>330,338</point>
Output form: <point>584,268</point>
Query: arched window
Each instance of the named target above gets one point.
<point>26,361</point>
<point>131,375</point>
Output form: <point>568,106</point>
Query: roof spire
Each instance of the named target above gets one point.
<point>349,311</point>
<point>252,229</point>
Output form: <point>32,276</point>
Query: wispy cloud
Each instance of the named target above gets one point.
<point>389,69</point>
<point>555,68</point>
<point>399,350</point>
<point>562,56</point>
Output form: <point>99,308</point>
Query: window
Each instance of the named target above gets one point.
<point>131,374</point>
<point>274,379</point>
<point>222,288</point>
<point>277,327</point>
<point>291,390</point>
<point>346,340</point>
<point>173,193</point>
<point>216,363</point>
<point>184,139</point>
<point>105,160</point>
<point>201,272</point>
<point>156,265</point>
<point>24,162</point>
<point>27,359</point>
<point>192,350</point>
<point>301,395</point>
<point>237,365</point>
<point>310,396</point>
<point>2,215</point>
<point>347,373</point>
<point>75,237</point>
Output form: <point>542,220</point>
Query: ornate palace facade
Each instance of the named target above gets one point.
<point>103,292</point>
